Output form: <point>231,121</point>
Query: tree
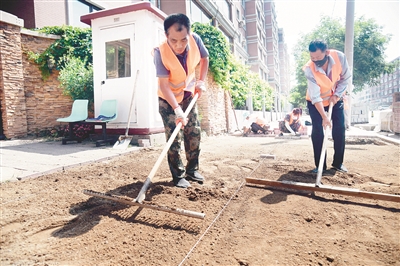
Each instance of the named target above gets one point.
<point>369,47</point>
<point>231,74</point>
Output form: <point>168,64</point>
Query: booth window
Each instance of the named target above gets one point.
<point>118,59</point>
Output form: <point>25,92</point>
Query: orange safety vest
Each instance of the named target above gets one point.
<point>326,85</point>
<point>179,81</point>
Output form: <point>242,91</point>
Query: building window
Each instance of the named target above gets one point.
<point>225,8</point>
<point>155,3</point>
<point>197,14</point>
<point>118,59</point>
<point>76,9</point>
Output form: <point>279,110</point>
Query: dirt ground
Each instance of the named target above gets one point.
<point>49,221</point>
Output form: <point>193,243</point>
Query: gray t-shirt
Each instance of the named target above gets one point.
<point>162,72</point>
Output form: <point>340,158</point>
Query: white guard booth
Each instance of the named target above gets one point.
<point>123,39</point>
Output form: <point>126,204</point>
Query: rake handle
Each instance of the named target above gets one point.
<point>323,151</point>
<point>141,195</point>
<point>130,108</point>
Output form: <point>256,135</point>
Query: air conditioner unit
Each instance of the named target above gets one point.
<point>242,23</point>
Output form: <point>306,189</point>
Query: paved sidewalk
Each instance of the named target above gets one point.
<point>22,159</point>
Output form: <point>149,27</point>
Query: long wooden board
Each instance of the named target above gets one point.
<point>324,188</point>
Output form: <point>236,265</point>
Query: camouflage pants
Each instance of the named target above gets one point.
<point>191,136</point>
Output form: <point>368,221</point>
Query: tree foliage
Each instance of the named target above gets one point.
<point>231,74</point>
<point>368,59</point>
<point>218,49</point>
<point>76,77</point>
<point>74,41</point>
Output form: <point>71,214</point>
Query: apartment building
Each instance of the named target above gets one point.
<point>381,96</point>
<point>41,13</point>
<point>272,46</point>
<point>249,26</point>
<point>284,70</point>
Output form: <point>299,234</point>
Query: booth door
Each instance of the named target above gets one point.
<point>119,69</point>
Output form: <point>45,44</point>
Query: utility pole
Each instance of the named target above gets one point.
<point>349,51</point>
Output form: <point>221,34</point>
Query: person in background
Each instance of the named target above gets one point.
<point>249,119</point>
<point>327,76</point>
<point>176,60</point>
<point>292,122</point>
<point>260,126</point>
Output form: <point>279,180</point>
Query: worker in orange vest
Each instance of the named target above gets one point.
<point>176,60</point>
<point>327,76</point>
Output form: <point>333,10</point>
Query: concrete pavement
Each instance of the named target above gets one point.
<point>31,158</point>
<point>22,159</point>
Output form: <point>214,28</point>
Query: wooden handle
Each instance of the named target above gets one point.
<point>130,108</point>
<point>323,151</point>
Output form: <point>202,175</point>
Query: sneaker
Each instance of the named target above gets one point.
<point>315,171</point>
<point>341,168</point>
<point>181,182</point>
<point>195,176</point>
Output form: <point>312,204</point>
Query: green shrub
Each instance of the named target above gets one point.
<point>76,79</point>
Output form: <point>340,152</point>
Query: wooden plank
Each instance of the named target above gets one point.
<point>323,188</point>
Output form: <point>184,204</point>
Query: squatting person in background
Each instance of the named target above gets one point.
<point>292,122</point>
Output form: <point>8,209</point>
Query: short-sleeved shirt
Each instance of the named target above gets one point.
<point>162,72</point>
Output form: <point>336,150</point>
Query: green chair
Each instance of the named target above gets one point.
<point>108,113</point>
<point>79,112</point>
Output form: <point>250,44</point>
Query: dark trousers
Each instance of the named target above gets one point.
<point>256,127</point>
<point>338,133</point>
<point>191,137</point>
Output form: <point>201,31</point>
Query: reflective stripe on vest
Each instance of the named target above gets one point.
<point>178,80</point>
<point>325,84</point>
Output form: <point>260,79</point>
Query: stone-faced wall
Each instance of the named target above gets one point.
<point>215,109</point>
<point>12,94</point>
<point>44,99</point>
<point>28,103</point>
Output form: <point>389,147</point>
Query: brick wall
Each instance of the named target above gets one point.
<point>12,95</point>
<point>44,99</point>
<point>28,103</point>
<point>215,109</point>
<point>396,112</point>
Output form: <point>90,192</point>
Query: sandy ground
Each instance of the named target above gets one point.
<point>49,221</point>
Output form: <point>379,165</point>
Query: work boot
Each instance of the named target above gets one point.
<point>181,182</point>
<point>195,176</point>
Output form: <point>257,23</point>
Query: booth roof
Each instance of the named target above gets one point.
<point>124,9</point>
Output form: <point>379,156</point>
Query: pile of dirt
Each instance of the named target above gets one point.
<point>49,221</point>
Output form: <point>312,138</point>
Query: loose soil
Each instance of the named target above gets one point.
<point>49,221</point>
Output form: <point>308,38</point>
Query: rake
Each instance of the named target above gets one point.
<point>141,196</point>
